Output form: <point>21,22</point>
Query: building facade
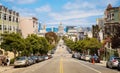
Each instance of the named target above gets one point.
<point>9,21</point>
<point>60,30</point>
<point>28,25</point>
<point>112,20</point>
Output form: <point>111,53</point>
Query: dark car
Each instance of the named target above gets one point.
<point>35,58</point>
<point>118,67</point>
<point>113,62</point>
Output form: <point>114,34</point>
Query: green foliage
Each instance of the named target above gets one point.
<point>89,43</point>
<point>51,37</point>
<point>31,45</point>
<point>12,42</point>
<point>12,61</point>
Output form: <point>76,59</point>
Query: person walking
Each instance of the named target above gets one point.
<point>8,61</point>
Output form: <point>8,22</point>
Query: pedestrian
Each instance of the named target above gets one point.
<point>8,61</point>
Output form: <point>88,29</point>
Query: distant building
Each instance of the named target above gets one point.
<point>100,23</point>
<point>28,25</point>
<point>60,30</point>
<point>48,29</point>
<point>42,31</point>
<point>80,33</point>
<point>95,31</point>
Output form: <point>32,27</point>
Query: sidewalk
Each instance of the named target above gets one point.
<point>5,68</point>
<point>102,63</point>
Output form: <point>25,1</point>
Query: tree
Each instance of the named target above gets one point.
<point>12,42</point>
<point>33,44</point>
<point>115,40</point>
<point>93,44</point>
<point>51,37</point>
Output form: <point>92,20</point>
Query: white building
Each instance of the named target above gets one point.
<point>60,30</point>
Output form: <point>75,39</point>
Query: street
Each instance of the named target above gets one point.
<point>62,62</point>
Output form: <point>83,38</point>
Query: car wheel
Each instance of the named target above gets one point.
<point>118,67</point>
<point>111,66</point>
<point>107,66</point>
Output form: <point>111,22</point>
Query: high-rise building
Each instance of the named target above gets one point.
<point>28,25</point>
<point>60,30</point>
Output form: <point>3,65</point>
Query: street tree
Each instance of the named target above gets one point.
<point>115,40</point>
<point>12,42</point>
<point>51,37</point>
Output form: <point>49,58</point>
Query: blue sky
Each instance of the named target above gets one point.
<point>70,12</point>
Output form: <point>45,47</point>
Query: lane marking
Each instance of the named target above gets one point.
<point>88,67</point>
<point>61,65</point>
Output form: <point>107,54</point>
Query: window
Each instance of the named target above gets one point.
<point>0,27</point>
<point>4,26</point>
<point>9,17</point>
<point>33,24</point>
<point>13,18</point>
<point>13,28</point>
<point>0,15</point>
<point>16,19</point>
<point>10,27</point>
<point>4,16</point>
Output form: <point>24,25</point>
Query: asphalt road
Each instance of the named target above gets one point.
<point>63,63</point>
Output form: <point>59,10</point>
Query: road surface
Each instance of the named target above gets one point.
<point>63,63</point>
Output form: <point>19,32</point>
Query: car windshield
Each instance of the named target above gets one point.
<point>117,59</point>
<point>21,58</point>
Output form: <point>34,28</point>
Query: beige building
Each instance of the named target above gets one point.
<point>28,25</point>
<point>8,22</point>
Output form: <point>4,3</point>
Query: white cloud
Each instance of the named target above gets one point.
<point>22,1</point>
<point>45,8</point>
<point>75,22</point>
<point>25,11</point>
<point>75,14</point>
<point>0,3</point>
<point>78,5</point>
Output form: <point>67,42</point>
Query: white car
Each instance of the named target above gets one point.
<point>21,61</point>
<point>87,57</point>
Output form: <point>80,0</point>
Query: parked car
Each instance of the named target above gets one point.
<point>46,57</point>
<point>82,57</point>
<point>35,59</point>
<point>30,60</point>
<point>113,62</point>
<point>76,55</point>
<point>69,50</point>
<point>95,58</point>
<point>21,61</point>
<point>40,58</point>
<point>118,67</point>
<point>49,56</point>
<point>87,57</point>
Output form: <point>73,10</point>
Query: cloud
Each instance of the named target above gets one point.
<point>21,1</point>
<point>75,22</point>
<point>78,5</point>
<point>45,8</point>
<point>25,11</point>
<point>75,14</point>
<point>0,3</point>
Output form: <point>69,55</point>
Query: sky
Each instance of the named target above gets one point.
<point>81,13</point>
